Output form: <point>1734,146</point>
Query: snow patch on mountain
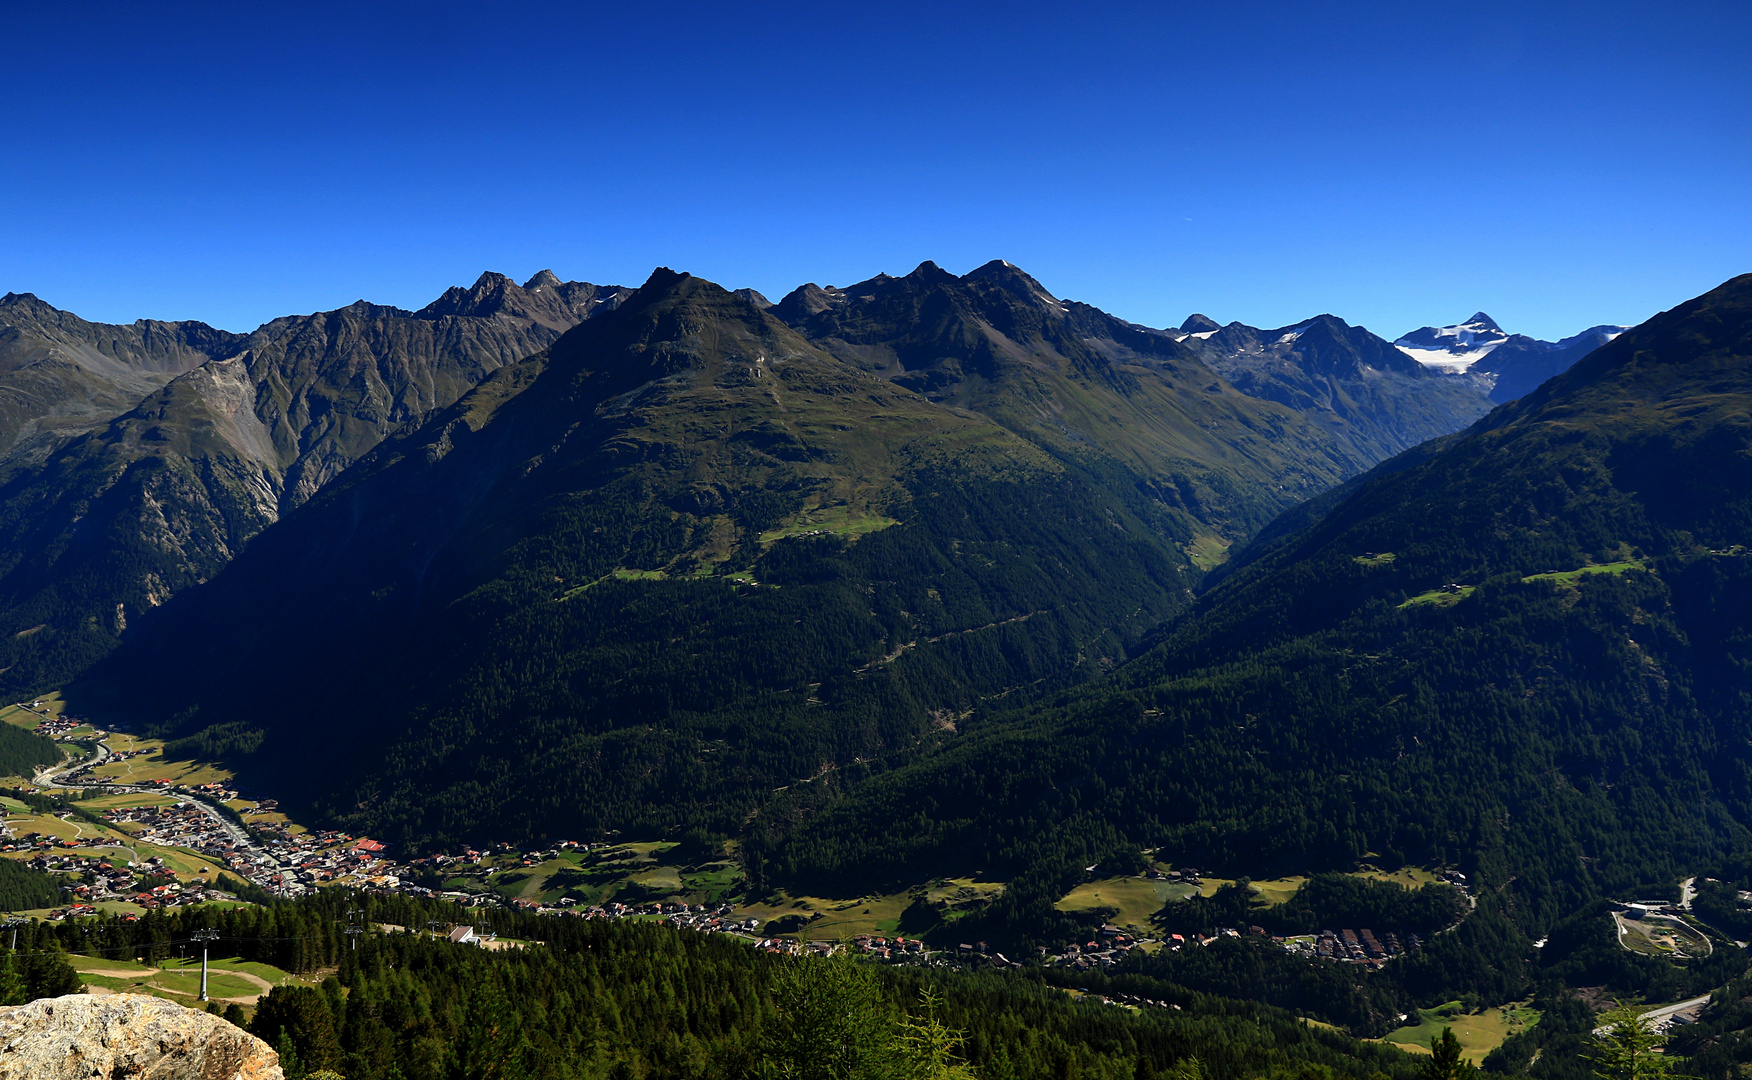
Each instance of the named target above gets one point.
<point>1453,348</point>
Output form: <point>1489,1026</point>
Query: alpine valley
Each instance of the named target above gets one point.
<point>946,602</point>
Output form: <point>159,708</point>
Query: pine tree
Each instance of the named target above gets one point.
<point>12,989</point>
<point>1624,1048</point>
<point>492,1046</point>
<point>1445,1062</point>
<point>832,1024</point>
<point>289,1063</point>
<point>929,1050</point>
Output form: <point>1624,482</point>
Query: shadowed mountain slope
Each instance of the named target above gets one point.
<point>1521,363</point>
<point>160,497</point>
<point>680,559</point>
<point>1526,652</point>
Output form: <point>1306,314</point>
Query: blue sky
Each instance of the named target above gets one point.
<point>1555,164</point>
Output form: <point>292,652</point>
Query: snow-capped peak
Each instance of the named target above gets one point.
<point>1453,348</point>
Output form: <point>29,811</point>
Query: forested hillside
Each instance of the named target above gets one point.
<point>621,998</point>
<point>1524,653</point>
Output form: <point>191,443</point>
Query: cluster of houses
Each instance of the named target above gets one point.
<point>895,948</point>
<point>310,860</point>
<point>1134,1000</point>
<point>792,947</point>
<point>186,825</point>
<point>709,919</point>
<point>1110,947</point>
<point>100,879</point>
<point>1355,946</point>
<point>51,726</point>
<point>286,864</point>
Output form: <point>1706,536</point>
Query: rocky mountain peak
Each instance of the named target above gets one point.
<point>1200,324</point>
<point>1453,348</point>
<point>556,304</point>
<point>804,301</point>
<point>662,280</point>
<point>1011,278</point>
<point>926,273</point>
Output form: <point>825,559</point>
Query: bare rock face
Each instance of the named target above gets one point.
<point>126,1037</point>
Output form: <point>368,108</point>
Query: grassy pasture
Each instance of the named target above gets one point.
<point>26,718</point>
<point>1411,877</point>
<point>153,765</point>
<point>1438,598</point>
<point>1269,893</point>
<point>228,979</point>
<point>840,918</point>
<point>1207,551</point>
<point>1479,1033</point>
<point>1569,577</point>
<point>1135,899</point>
<point>844,521</point>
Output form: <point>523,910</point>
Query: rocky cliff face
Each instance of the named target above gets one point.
<point>108,522</point>
<point>61,376</point>
<point>126,1035</point>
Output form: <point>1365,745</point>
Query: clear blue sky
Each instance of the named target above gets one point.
<point>1556,164</point>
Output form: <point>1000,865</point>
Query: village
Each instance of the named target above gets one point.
<point>147,820</point>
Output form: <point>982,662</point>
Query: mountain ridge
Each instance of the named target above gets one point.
<point>162,493</point>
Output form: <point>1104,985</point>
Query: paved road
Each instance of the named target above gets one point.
<point>51,778</point>
<point>1662,1018</point>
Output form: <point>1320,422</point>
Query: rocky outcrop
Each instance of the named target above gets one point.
<point>128,1036</point>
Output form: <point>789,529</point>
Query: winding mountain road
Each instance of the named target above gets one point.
<point>53,777</point>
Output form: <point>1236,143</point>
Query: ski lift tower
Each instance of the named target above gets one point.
<point>204,937</point>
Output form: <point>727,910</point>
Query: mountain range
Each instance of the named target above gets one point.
<point>701,546</point>
<point>1511,365</point>
<point>138,460</point>
<point>931,579</point>
<point>905,574</point>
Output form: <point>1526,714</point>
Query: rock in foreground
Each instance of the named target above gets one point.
<point>126,1035</point>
